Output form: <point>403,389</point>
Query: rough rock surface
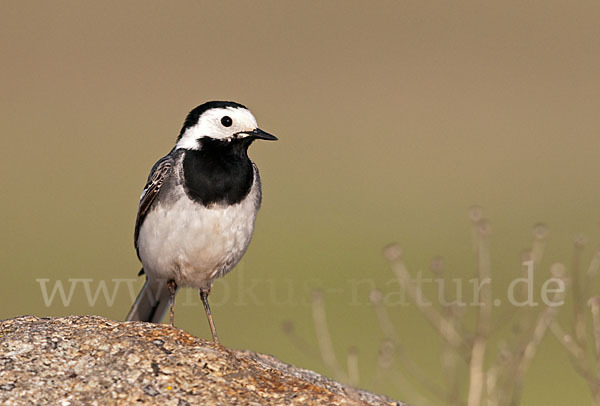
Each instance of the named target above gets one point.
<point>91,360</point>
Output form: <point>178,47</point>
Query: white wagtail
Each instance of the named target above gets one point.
<point>196,214</point>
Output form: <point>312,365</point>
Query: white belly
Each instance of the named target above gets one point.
<point>192,244</point>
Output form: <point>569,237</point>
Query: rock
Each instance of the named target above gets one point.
<point>91,360</point>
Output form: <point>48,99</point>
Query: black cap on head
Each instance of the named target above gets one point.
<point>192,117</point>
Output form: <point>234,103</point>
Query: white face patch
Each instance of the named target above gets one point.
<point>209,125</point>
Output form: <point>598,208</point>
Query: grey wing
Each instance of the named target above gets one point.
<point>259,186</point>
<point>159,172</point>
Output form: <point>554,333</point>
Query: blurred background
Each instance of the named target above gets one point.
<point>393,117</point>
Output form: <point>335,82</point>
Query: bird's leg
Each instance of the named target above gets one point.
<point>204,296</point>
<point>172,285</point>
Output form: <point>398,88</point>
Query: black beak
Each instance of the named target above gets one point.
<point>257,133</point>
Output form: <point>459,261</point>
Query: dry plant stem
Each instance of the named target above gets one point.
<point>450,357</point>
<point>501,381</point>
<point>523,356</point>
<point>476,372</point>
<point>383,317</point>
<point>441,324</point>
<point>491,386</point>
<point>455,314</point>
<point>539,243</point>
<point>576,353</point>
<point>301,344</point>
<point>385,371</point>
<point>499,376</point>
<point>476,366</point>
<point>594,303</point>
<point>475,215</point>
<point>536,254</point>
<point>385,360</point>
<point>450,364</point>
<point>524,353</point>
<point>353,371</point>
<point>414,371</point>
<point>541,326</point>
<point>324,338</point>
<point>411,368</point>
<point>521,337</point>
<point>592,270</point>
<point>416,396</point>
<point>590,276</point>
<point>578,299</point>
<point>445,327</point>
<point>566,340</point>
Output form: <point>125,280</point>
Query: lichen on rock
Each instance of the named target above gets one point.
<point>92,360</point>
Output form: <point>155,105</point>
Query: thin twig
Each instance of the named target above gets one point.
<point>385,372</point>
<point>541,325</point>
<point>453,311</point>
<point>577,358</point>
<point>393,341</point>
<point>324,338</point>
<point>491,386</point>
<point>535,254</point>
<point>475,215</point>
<point>376,298</point>
<point>385,359</point>
<point>450,360</point>
<point>352,363</point>
<point>566,340</point>
<point>497,378</point>
<point>578,295</point>
<point>476,371</point>
<point>592,270</point>
<point>594,304</point>
<point>441,324</point>
<point>540,232</point>
<point>305,348</point>
<point>524,352</point>
<point>416,396</point>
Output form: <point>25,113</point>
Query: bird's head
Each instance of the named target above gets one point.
<point>219,120</point>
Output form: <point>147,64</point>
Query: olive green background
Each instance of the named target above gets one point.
<point>393,118</point>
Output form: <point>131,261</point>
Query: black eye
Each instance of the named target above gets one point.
<point>226,121</point>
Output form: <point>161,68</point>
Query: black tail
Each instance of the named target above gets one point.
<point>152,302</point>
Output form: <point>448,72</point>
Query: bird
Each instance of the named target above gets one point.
<point>197,211</point>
